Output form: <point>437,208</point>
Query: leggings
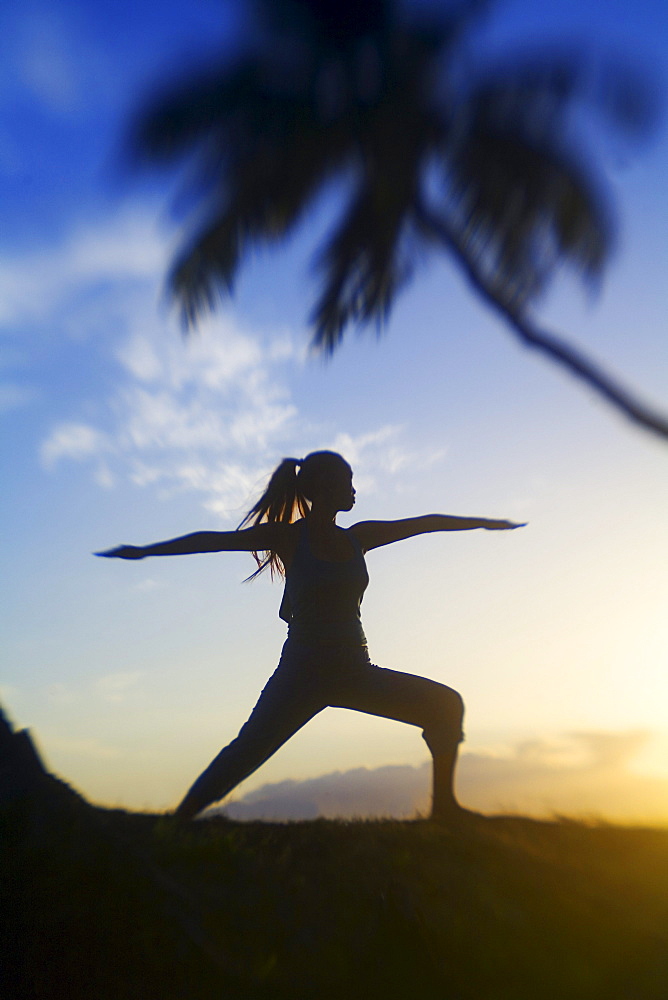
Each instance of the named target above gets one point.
<point>311,678</point>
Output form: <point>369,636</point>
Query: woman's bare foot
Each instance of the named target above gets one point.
<point>190,807</point>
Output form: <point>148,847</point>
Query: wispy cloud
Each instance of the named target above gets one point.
<point>382,452</point>
<point>209,415</point>
<point>54,280</point>
<point>74,441</point>
<point>202,415</point>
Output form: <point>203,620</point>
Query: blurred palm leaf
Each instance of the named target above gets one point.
<point>430,155</point>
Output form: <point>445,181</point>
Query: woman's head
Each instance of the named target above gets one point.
<point>323,478</point>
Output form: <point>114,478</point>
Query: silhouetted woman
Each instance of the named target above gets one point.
<point>325,660</point>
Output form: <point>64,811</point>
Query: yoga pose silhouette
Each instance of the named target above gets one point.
<point>292,530</point>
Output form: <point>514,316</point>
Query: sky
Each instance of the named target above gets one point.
<point>115,429</point>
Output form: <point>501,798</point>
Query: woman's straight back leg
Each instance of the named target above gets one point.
<point>287,702</point>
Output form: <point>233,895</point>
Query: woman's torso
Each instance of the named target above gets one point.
<point>322,597</point>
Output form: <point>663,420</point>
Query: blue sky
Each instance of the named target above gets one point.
<point>115,430</point>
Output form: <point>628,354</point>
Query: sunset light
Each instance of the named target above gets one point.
<point>119,430</point>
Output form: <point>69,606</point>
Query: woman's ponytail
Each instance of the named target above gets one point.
<point>283,502</point>
<point>288,497</point>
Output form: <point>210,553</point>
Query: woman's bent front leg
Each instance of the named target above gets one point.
<point>437,709</point>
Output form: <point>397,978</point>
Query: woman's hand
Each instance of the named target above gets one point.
<point>123,552</point>
<point>504,525</point>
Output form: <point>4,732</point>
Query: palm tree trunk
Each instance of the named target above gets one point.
<point>530,335</point>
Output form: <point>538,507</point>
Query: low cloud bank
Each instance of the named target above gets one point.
<point>385,791</point>
<point>585,775</point>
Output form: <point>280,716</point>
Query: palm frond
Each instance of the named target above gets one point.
<point>385,99</point>
<point>329,23</point>
<point>539,89</point>
<point>365,261</point>
<point>522,207</point>
<point>206,271</point>
<point>170,125</point>
<point>261,196</point>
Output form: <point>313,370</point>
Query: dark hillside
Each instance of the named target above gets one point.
<point>106,904</point>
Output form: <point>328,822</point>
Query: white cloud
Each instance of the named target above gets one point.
<point>381,453</point>
<point>49,282</point>
<point>209,413</point>
<point>230,486</point>
<point>183,411</point>
<point>104,477</point>
<point>196,417</point>
<point>354,447</point>
<point>139,356</point>
<point>74,441</point>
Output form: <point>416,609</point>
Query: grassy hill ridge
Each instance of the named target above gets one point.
<point>109,904</point>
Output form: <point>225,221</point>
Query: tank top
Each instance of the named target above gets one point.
<point>321,601</point>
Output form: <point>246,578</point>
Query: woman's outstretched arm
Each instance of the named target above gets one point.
<point>372,534</point>
<point>260,538</point>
